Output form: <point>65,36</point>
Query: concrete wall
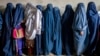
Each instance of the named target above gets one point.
<point>59,3</point>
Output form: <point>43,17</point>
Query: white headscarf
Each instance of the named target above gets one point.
<point>33,18</point>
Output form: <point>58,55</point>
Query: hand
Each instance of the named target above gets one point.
<point>81,33</point>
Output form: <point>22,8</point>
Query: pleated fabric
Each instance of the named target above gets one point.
<point>49,29</point>
<point>80,29</point>
<point>7,31</point>
<point>18,30</point>
<point>93,22</point>
<point>33,25</point>
<point>67,32</point>
<point>18,15</point>
<point>57,46</point>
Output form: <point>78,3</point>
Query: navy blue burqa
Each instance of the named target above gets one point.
<point>18,15</point>
<point>48,29</point>
<point>18,18</point>
<point>80,29</point>
<point>57,44</point>
<point>67,33</point>
<point>7,28</point>
<point>93,22</point>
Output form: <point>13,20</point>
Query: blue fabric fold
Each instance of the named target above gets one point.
<point>57,44</point>
<point>80,30</point>
<point>18,15</point>
<point>49,29</point>
<point>67,32</point>
<point>93,22</point>
<point>7,28</point>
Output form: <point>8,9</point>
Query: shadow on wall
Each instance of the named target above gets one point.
<point>2,8</point>
<point>98,8</point>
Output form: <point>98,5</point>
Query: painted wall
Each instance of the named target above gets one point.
<point>59,3</point>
